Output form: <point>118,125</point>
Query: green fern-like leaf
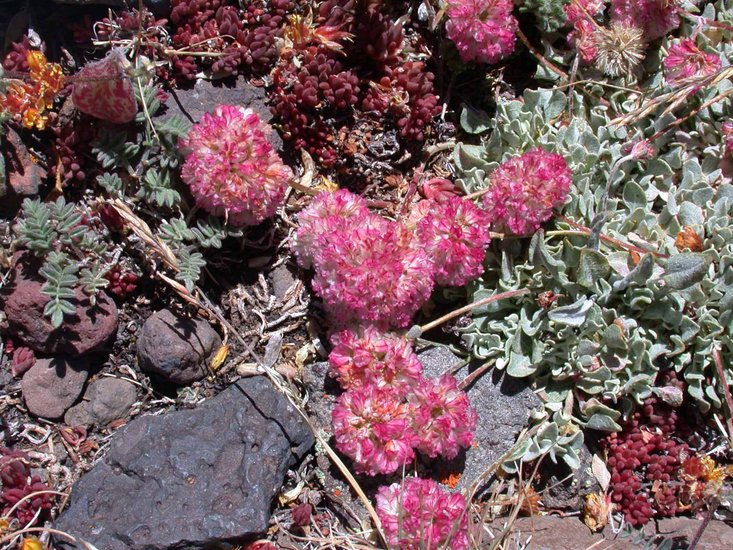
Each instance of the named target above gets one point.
<point>156,187</point>
<point>93,280</point>
<point>90,242</point>
<point>113,150</point>
<point>175,231</point>
<point>149,98</point>
<point>35,229</point>
<point>176,126</point>
<point>67,221</point>
<point>190,265</point>
<point>60,275</point>
<point>112,183</point>
<point>210,233</point>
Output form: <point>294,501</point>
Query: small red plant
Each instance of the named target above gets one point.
<point>645,460</point>
<point>17,483</point>
<point>121,283</point>
<point>23,359</point>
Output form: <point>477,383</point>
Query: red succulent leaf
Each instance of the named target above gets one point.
<point>302,514</point>
<point>23,359</point>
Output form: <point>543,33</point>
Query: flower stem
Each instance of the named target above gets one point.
<point>718,360</point>
<point>465,309</point>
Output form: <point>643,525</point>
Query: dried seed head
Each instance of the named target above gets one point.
<point>620,49</point>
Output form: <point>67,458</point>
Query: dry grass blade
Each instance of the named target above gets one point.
<point>143,231</point>
<point>470,307</point>
<point>12,536</point>
<point>675,98</point>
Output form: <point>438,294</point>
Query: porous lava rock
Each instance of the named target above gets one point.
<point>105,400</point>
<point>52,385</point>
<point>176,349</point>
<point>88,329</point>
<point>191,478</point>
<point>563,488</point>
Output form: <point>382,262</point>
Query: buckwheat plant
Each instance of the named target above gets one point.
<point>631,275</point>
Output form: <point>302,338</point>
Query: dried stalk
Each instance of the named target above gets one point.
<point>718,360</point>
<point>465,309</point>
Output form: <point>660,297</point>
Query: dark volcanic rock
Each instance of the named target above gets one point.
<point>177,349</point>
<point>88,329</point>
<point>52,385</point>
<point>564,488</point>
<point>191,478</point>
<point>282,280</point>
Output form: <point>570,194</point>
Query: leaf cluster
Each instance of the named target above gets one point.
<point>72,253</point>
<point>629,300</point>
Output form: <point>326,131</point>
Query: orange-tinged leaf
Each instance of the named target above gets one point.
<point>219,357</point>
<point>31,543</point>
<point>598,507</point>
<point>688,239</point>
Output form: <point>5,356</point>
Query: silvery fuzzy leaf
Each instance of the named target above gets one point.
<point>592,266</point>
<point>691,214</point>
<point>573,315</point>
<point>634,196</point>
<point>602,423</point>
<point>637,276</point>
<point>619,262</point>
<point>474,121</point>
<point>671,395</point>
<point>685,269</point>
<point>520,366</point>
<point>468,157</point>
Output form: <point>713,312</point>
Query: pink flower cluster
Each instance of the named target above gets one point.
<point>654,17</point>
<point>579,14</point>
<point>419,515</point>
<point>362,357</point>
<point>371,269</point>
<point>453,233</point>
<point>482,30</point>
<point>370,272</point>
<point>231,167</point>
<point>389,409</point>
<point>443,417</point>
<point>373,427</point>
<point>524,191</point>
<point>686,61</point>
<point>327,212</point>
